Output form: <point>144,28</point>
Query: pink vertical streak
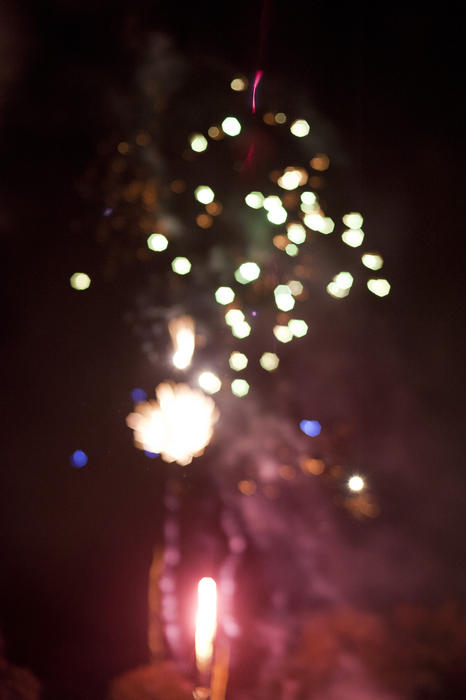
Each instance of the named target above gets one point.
<point>257,79</point>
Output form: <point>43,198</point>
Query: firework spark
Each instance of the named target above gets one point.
<point>178,426</point>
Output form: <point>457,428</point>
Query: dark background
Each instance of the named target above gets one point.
<point>76,544</point>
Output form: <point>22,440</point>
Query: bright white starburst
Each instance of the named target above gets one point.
<point>178,426</point>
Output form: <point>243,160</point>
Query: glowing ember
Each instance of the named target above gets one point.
<point>178,426</point>
<point>206,622</point>
<point>182,334</point>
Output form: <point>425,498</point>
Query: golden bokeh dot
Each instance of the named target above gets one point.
<point>312,466</point>
<point>143,138</point>
<point>214,208</point>
<point>123,148</point>
<point>269,118</point>
<point>215,133</point>
<point>204,221</point>
<point>320,162</point>
<point>287,472</point>
<point>280,242</point>
<point>247,487</point>
<point>178,186</point>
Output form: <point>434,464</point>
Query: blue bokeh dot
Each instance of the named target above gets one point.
<point>78,459</point>
<point>310,427</point>
<point>151,455</point>
<point>138,395</point>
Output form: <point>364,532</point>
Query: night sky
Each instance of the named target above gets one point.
<point>76,544</point>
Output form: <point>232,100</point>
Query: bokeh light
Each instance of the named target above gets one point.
<point>239,84</point>
<point>138,395</point>
<point>198,143</point>
<point>209,382</point>
<point>373,261</point>
<point>206,623</point>
<point>157,242</point>
<point>204,194</point>
<point>312,428</point>
<point>296,233</point>
<point>238,361</point>
<point>247,272</point>
<point>298,327</point>
<point>239,387</point>
<point>277,215</point>
<point>255,200</point>
<point>80,281</point>
<point>284,300</point>
<point>300,128</point>
<point>183,338</point>
<point>291,249</point>
<point>224,295</point>
<point>283,334</point>
<point>181,266</point>
<point>234,316</point>
<point>296,287</point>
<point>269,361</point>
<point>380,287</point>
<point>231,126</point>
<point>78,459</point>
<point>353,220</point>
<point>356,483</point>
<point>241,329</point>
<point>353,237</point>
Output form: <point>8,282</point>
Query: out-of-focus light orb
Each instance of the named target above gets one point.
<point>320,162</point>
<point>241,329</point>
<point>80,281</point>
<point>280,117</point>
<point>277,216</point>
<point>181,266</point>
<point>183,337</point>
<point>204,194</point>
<point>239,387</point>
<point>313,221</point>
<point>344,280</point>
<point>373,261</point>
<point>300,128</point>
<point>247,487</point>
<point>292,178</point>
<point>296,233</point>
<point>353,220</point>
<point>198,142</point>
<point>234,316</point>
<point>291,249</point>
<point>327,225</point>
<point>285,301</point>
<point>298,327</point>
<point>239,84</point>
<point>151,455</point>
<point>269,361</point>
<point>238,361</point>
<point>214,132</point>
<point>309,208</point>
<point>209,382</point>
<point>231,126</point>
<point>356,483</point>
<point>255,200</point>
<point>78,459</point>
<point>308,197</point>
<point>311,427</point>
<point>296,287</point>
<point>157,242</point>
<point>247,272</point>
<point>379,287</point>
<point>353,237</point>
<point>138,395</point>
<point>335,291</point>
<point>178,426</point>
<point>273,201</point>
<point>283,334</point>
<point>282,289</point>
<point>224,295</point>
